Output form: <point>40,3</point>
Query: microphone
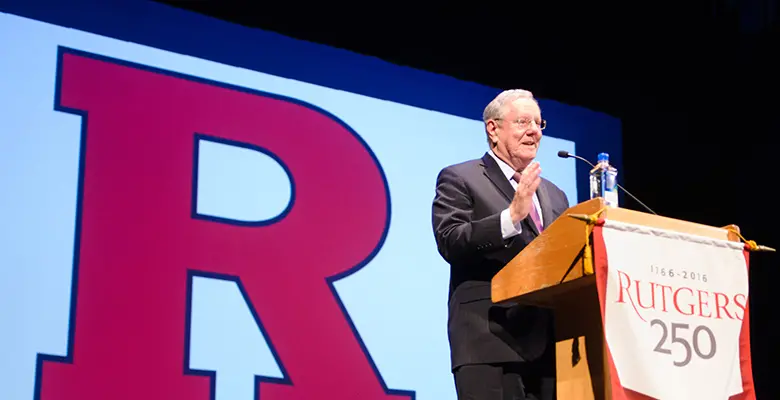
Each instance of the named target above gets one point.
<point>566,154</point>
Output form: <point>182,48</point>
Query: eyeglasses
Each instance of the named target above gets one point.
<point>525,123</point>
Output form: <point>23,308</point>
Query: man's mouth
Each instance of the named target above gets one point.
<point>529,143</point>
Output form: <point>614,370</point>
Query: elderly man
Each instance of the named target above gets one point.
<point>484,213</point>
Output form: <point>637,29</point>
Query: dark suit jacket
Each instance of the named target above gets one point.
<point>466,222</point>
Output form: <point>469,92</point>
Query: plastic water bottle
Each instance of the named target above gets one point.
<point>603,181</point>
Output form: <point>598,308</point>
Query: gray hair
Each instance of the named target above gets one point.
<point>495,109</point>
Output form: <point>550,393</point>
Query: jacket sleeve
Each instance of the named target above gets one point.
<point>458,235</point>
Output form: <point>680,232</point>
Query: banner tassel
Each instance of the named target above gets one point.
<point>751,245</point>
<point>587,254</point>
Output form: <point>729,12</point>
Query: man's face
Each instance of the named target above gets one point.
<point>517,134</point>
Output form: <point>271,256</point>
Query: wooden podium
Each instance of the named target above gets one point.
<point>550,273</point>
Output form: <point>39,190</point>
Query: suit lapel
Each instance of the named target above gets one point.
<point>493,172</point>
<point>544,202</point>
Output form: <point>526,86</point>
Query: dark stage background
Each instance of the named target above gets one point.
<point>694,85</point>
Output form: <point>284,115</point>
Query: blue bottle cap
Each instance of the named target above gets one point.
<point>603,157</point>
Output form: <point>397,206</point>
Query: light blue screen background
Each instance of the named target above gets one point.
<point>397,302</point>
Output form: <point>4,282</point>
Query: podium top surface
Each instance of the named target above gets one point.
<point>554,258</point>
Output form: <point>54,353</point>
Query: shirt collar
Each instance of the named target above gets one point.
<point>505,168</point>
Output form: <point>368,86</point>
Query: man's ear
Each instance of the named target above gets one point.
<point>492,132</point>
